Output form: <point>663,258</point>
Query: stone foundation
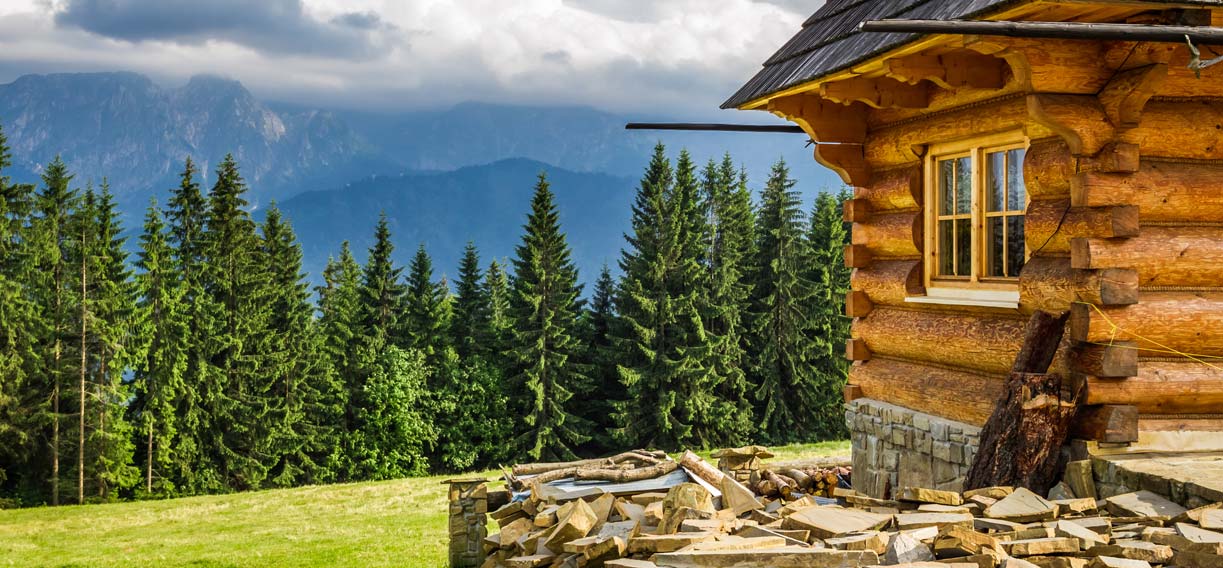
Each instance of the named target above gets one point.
<point>468,515</point>
<point>896,447</point>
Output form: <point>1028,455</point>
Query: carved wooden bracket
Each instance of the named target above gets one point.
<point>1079,119</point>
<point>1127,94</point>
<point>823,120</point>
<point>882,92</point>
<point>954,70</point>
<point>847,160</point>
<point>1125,55</point>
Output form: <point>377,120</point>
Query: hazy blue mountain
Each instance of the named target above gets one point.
<point>487,204</point>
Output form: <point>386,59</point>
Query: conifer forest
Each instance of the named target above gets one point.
<point>199,360</point>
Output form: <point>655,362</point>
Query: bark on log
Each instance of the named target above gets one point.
<point>626,475</point>
<point>1050,284</point>
<point>1163,191</point>
<point>1188,322</point>
<point>801,479</point>
<point>898,189</point>
<point>1163,387</point>
<point>1180,129</point>
<point>702,468</point>
<point>785,488</point>
<point>1021,442</point>
<point>891,235</point>
<point>1162,256</point>
<point>889,282</point>
<point>927,389</point>
<point>976,342</point>
<point>1049,226</point>
<point>631,455</point>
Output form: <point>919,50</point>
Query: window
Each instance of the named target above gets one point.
<point>975,200</point>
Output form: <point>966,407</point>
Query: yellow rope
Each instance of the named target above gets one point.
<point>1115,329</point>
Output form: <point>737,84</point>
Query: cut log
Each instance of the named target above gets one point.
<point>1161,324</point>
<point>856,211</point>
<point>1180,129</point>
<point>1163,191</point>
<point>1107,423</point>
<point>895,189</point>
<point>1163,256</point>
<point>1049,226</point>
<point>889,282</point>
<point>980,343</point>
<point>1162,387</point>
<point>923,388</point>
<point>823,120</point>
<point>1047,169</point>
<point>857,256</point>
<point>852,393</point>
<point>701,468</point>
<point>1049,65</point>
<point>1021,442</point>
<point>891,235</point>
<point>625,475</point>
<point>1107,361</point>
<point>1050,284</point>
<point>858,304</point>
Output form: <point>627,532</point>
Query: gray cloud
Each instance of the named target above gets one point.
<point>274,26</point>
<point>802,7</point>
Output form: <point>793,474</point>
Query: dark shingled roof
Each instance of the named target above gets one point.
<point>830,40</point>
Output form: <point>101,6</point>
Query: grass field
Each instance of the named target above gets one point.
<point>388,523</point>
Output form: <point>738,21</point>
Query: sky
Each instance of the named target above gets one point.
<point>673,57</point>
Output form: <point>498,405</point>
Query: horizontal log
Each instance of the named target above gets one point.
<point>1107,423</point>
<point>976,342</point>
<point>1164,387</point>
<point>1050,284</point>
<point>1080,120</point>
<point>1116,360</point>
<point>1048,65</point>
<point>903,143</point>
<point>857,256</point>
<point>1163,191</point>
<point>856,210</point>
<point>1162,256</point>
<point>1180,129</point>
<point>1181,322</point>
<point>1050,225</point>
<point>926,389</point>
<point>858,304</point>
<point>895,189</point>
<point>889,282</point>
<point>892,235</point>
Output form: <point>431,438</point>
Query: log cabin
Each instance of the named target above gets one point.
<point>997,175</point>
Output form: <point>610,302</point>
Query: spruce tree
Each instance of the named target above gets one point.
<point>545,307</point>
<point>469,324</point>
<point>158,377</point>
<point>424,323</point>
<point>786,382</point>
<point>383,300</point>
<point>497,289</point>
<point>828,326</point>
<point>340,330</point>
<point>606,390</point>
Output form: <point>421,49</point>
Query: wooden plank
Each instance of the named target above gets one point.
<point>1162,256</point>
<point>823,120</point>
<point>1163,191</point>
<point>881,92</point>
<point>891,235</point>
<point>1110,423</point>
<point>925,388</point>
<point>1163,387</point>
<point>1188,322</point>
<point>976,342</point>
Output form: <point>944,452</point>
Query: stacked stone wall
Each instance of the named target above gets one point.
<point>896,447</point>
<point>468,516</point>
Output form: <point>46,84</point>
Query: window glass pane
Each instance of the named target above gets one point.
<point>1017,196</point>
<point>946,249</point>
<point>995,183</point>
<point>963,229</point>
<point>963,185</point>
<point>1015,251</point>
<point>994,247</point>
<point>946,187</point>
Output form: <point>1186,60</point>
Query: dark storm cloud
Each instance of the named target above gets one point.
<point>275,26</point>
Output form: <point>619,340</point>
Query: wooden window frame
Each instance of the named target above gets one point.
<point>974,289</point>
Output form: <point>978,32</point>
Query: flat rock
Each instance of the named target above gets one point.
<point>1061,491</point>
<point>785,557</point>
<point>1135,550</point>
<point>904,548</point>
<point>623,529</point>
<point>923,495</point>
<point>827,522</point>
<point>957,541</point>
<point>935,508</point>
<point>1197,560</point>
<point>1016,563</point>
<point>738,498</point>
<point>629,563</point>
<point>907,521</point>
<point>996,525</point>
<point>515,530</point>
<point>1022,506</point>
<point>1074,506</point>
<point>732,542</point>
<point>1212,519</point>
<point>1058,561</point>
<point>1142,504</point>
<point>789,538</point>
<point>630,511</point>
<point>1079,478</point>
<point>652,543</point>
<point>1197,534</point>
<point>575,524</point>
<point>1041,546</point>
<point>870,540</point>
<point>602,506</point>
<point>1098,525</point>
<point>991,492</point>
<point>530,561</point>
<point>1112,562</point>
<point>1087,538</point>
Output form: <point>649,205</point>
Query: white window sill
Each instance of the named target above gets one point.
<point>1003,299</point>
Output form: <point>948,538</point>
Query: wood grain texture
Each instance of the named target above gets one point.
<point>1180,129</point>
<point>858,304</point>
<point>889,282</point>
<point>1124,97</point>
<point>1106,423</point>
<point>975,342</point>
<point>1049,226</point>
<point>891,235</point>
<point>964,396</point>
<point>1162,191</point>
<point>1163,387</point>
<point>1050,284</point>
<point>895,189</point>
<point>1079,120</point>
<point>1188,322</point>
<point>1117,360</point>
<point>1162,256</point>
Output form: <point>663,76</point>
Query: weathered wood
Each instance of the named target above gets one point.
<point>1111,361</point>
<point>856,350</point>
<point>1106,423</point>
<point>847,160</point>
<point>1079,119</point>
<point>924,388</point>
<point>976,342</point>
<point>1180,129</point>
<point>856,210</point>
<point>1021,441</point>
<point>858,304</point>
<point>891,235</point>
<point>857,256</point>
<point>889,282</point>
<point>1188,322</point>
<point>623,475</point>
<point>701,468</point>
<point>1163,191</point>
<point>894,189</point>
<point>823,120</point>
<point>1050,225</point>
<point>1050,284</point>
<point>1163,387</point>
<point>1124,97</point>
<point>1162,256</point>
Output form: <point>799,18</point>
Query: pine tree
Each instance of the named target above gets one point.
<point>469,325</point>
<point>497,289</point>
<point>424,324</point>
<point>158,377</point>
<point>383,298</point>
<point>829,327</point>
<point>606,390</point>
<point>727,204</point>
<point>545,309</point>
<point>340,328</point>
<point>661,338</point>
<point>786,382</point>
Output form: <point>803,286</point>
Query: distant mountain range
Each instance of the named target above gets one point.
<point>332,170</point>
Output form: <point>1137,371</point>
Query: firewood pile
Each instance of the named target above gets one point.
<point>691,514</point>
